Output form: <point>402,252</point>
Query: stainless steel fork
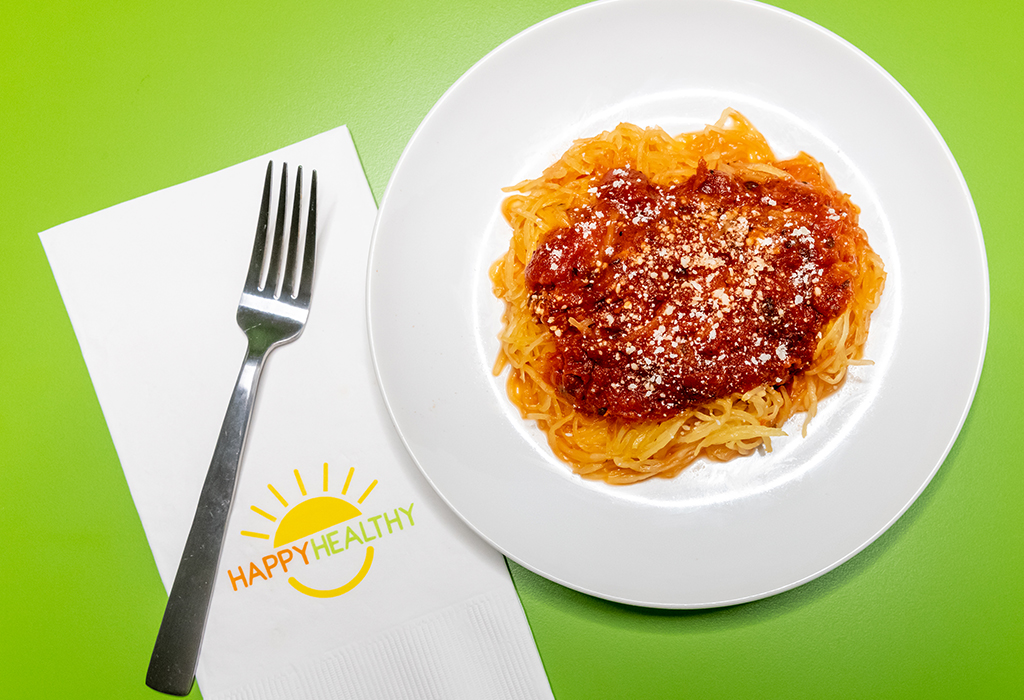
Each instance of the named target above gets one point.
<point>271,312</point>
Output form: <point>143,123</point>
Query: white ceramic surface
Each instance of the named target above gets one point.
<point>717,534</point>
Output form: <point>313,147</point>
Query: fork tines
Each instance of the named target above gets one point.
<point>269,278</point>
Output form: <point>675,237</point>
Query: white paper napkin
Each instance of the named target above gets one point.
<point>151,287</point>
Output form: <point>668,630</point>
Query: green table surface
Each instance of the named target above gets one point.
<point>103,102</point>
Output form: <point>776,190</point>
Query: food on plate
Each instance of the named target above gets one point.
<point>668,298</point>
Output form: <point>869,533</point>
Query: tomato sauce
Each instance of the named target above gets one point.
<point>663,298</point>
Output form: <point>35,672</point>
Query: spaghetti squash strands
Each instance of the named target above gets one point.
<point>668,298</point>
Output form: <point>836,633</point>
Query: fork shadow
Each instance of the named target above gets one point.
<point>534,590</point>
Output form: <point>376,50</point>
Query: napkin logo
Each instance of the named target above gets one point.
<point>297,541</point>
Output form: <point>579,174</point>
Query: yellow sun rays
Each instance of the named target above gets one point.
<point>311,515</point>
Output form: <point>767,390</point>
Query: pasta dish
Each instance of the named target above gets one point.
<point>675,297</point>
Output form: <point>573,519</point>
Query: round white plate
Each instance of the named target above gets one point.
<point>719,533</point>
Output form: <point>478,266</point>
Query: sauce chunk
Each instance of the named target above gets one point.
<point>663,298</point>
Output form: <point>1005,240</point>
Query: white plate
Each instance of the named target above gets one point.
<point>719,533</point>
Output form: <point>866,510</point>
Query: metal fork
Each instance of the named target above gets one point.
<point>269,318</point>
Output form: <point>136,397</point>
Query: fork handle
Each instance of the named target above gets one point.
<point>176,653</point>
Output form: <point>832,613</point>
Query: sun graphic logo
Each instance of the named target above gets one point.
<point>297,540</point>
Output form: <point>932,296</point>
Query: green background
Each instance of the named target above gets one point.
<point>103,102</point>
